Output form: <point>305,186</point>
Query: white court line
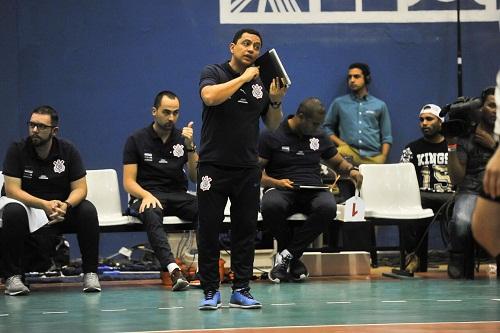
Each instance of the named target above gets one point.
<point>4,314</point>
<point>54,312</point>
<point>496,299</point>
<point>283,304</point>
<point>172,308</point>
<point>339,302</point>
<point>394,301</point>
<point>448,300</point>
<point>114,310</point>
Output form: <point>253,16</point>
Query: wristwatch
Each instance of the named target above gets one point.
<point>352,168</point>
<point>193,149</point>
<point>68,207</point>
<point>275,105</point>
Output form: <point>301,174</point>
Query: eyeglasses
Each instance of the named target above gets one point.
<point>41,127</point>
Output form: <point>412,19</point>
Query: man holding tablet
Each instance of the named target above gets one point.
<point>292,183</point>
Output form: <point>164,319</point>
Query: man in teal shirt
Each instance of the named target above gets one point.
<point>359,123</point>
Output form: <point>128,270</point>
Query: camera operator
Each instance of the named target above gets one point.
<point>485,221</point>
<point>467,159</point>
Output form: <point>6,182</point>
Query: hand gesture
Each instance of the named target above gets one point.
<point>55,210</point>
<point>187,133</point>
<point>250,73</point>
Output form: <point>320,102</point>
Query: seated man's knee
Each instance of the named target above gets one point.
<point>87,209</point>
<point>151,213</point>
<point>14,214</point>
<point>272,202</point>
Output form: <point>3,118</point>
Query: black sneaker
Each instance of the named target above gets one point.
<point>179,282</point>
<point>298,271</point>
<point>279,273</point>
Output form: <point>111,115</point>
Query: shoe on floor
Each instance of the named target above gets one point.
<point>14,286</point>
<point>241,298</point>
<point>298,271</point>
<point>211,300</point>
<point>179,282</point>
<point>91,283</point>
<point>456,265</point>
<point>279,273</point>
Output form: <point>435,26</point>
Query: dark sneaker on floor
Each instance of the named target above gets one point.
<point>91,283</point>
<point>179,282</point>
<point>456,266</point>
<point>211,300</point>
<point>298,271</point>
<point>241,298</point>
<point>14,286</point>
<point>279,273</point>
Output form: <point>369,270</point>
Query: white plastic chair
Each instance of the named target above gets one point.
<point>392,197</point>
<point>390,191</point>
<point>103,191</point>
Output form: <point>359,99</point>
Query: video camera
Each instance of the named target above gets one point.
<point>463,116</point>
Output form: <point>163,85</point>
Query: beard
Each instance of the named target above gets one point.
<point>37,141</point>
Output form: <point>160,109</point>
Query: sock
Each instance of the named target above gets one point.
<point>172,266</point>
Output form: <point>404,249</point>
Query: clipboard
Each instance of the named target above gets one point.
<point>310,187</point>
<point>270,66</point>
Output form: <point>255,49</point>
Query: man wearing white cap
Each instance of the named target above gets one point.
<point>429,155</point>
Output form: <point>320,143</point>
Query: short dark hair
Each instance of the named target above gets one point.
<point>47,109</point>
<point>486,92</point>
<point>364,68</point>
<point>240,33</point>
<point>310,107</point>
<point>160,95</point>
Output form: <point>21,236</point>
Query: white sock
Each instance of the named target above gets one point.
<point>172,266</point>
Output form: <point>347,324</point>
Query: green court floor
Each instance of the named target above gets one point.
<point>153,307</point>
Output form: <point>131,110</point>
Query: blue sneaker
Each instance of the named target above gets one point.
<point>211,300</point>
<point>241,298</point>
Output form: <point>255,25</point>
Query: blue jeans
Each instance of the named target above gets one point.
<point>460,224</point>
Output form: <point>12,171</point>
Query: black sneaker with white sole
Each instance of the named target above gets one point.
<point>298,271</point>
<point>279,273</point>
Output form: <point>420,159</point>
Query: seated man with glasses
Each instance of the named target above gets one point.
<point>45,185</point>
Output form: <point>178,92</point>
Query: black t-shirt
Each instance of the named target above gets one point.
<point>431,164</point>
<point>48,179</point>
<point>159,165</point>
<point>477,157</point>
<point>293,157</point>
<point>230,130</point>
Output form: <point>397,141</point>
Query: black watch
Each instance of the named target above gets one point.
<point>275,105</point>
<point>68,207</point>
<point>193,149</point>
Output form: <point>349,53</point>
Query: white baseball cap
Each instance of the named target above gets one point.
<point>433,109</point>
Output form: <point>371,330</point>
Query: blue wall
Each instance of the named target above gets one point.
<point>100,63</point>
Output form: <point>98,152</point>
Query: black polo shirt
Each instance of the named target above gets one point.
<point>48,179</point>
<point>159,165</point>
<point>230,130</point>
<point>294,157</point>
